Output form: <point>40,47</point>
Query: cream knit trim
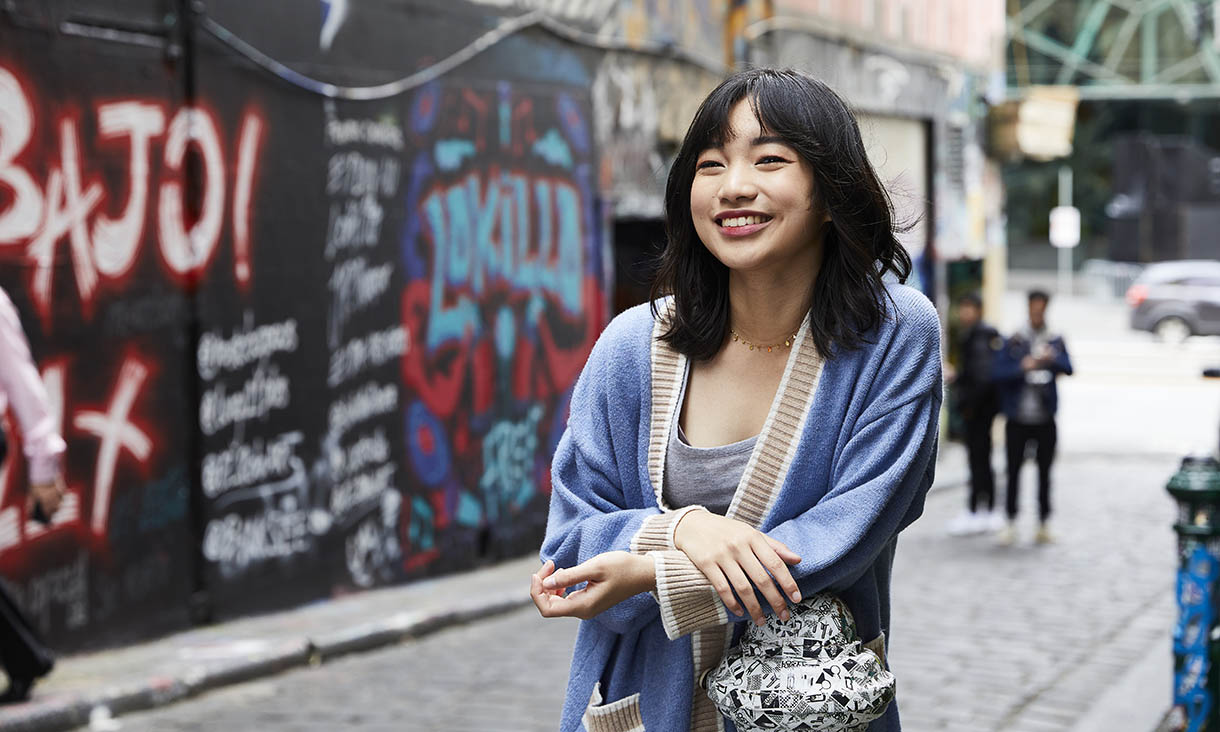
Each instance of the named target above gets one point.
<point>667,367</point>
<point>708,646</point>
<point>781,433</point>
<point>688,602</point>
<point>657,532</point>
<point>619,716</point>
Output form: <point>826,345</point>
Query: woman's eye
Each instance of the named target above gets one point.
<point>707,164</point>
<point>767,159</point>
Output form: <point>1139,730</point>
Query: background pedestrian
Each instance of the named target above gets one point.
<point>22,652</point>
<point>1025,370</point>
<point>977,403</point>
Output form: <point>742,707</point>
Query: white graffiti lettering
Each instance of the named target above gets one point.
<point>368,450</point>
<point>217,353</point>
<point>117,241</point>
<point>360,490</point>
<point>39,218</point>
<point>354,285</point>
<point>266,390</point>
<point>17,123</point>
<point>364,131</point>
<point>237,541</point>
<point>240,465</point>
<point>370,400</point>
<point>116,432</point>
<point>371,351</point>
<point>351,174</point>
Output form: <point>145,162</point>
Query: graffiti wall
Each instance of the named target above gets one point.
<point>98,244</point>
<point>299,346</point>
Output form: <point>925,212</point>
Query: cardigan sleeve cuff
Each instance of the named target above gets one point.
<point>688,601</point>
<point>657,532</point>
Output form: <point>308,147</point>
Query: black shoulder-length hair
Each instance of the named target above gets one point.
<point>848,296</point>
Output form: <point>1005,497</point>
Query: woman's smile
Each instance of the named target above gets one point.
<point>741,223</point>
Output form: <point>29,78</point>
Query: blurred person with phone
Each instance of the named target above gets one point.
<point>23,654</point>
<point>1025,371</point>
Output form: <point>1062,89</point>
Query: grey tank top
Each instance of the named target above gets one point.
<point>707,476</point>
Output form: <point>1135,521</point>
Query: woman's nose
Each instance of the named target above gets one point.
<point>737,183</point>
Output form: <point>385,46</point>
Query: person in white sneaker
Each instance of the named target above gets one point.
<point>1025,371</point>
<point>977,404</point>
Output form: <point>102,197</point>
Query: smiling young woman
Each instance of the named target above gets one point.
<point>760,432</point>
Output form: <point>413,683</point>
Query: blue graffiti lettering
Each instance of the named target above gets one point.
<point>508,460</point>
<point>552,148</point>
<point>474,249</point>
<point>422,531</point>
<point>450,154</point>
<point>469,512</point>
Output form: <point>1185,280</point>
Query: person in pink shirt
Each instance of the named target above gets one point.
<point>24,656</point>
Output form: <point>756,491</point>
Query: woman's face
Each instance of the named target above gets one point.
<point>752,201</point>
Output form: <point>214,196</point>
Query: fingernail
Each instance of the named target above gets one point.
<point>796,596</point>
<point>784,616</point>
<point>549,583</point>
<point>760,621</point>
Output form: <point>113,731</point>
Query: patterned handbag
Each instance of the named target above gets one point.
<point>810,674</point>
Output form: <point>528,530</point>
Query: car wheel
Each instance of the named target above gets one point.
<point>1172,329</point>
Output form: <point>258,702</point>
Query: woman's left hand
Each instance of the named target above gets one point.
<point>610,578</point>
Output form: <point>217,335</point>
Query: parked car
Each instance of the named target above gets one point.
<point>1176,300</point>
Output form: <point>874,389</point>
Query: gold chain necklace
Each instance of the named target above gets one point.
<point>756,347</point>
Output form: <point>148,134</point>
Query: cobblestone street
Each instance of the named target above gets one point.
<point>507,673</point>
<point>1024,638</point>
<point>1019,639</point>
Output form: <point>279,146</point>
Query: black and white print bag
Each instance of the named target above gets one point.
<point>810,674</point>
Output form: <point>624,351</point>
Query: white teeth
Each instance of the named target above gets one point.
<point>741,221</point>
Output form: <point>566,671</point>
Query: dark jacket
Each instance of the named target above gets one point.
<point>975,388</point>
<point>1010,377</point>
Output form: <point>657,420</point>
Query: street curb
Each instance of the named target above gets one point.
<point>58,715</point>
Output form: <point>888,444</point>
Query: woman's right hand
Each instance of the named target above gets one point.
<point>609,578</point>
<point>736,559</point>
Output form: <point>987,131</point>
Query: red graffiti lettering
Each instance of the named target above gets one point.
<point>104,232</point>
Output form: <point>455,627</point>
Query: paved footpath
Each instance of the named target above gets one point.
<point>1018,639</point>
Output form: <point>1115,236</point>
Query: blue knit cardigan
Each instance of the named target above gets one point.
<point>843,463</point>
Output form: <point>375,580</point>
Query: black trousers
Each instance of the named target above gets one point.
<point>1016,437</point>
<point>22,652</point>
<point>978,451</point>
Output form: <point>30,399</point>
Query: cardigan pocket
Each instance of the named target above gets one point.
<point>877,645</point>
<point>619,716</point>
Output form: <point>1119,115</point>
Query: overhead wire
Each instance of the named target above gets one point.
<point>503,30</point>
